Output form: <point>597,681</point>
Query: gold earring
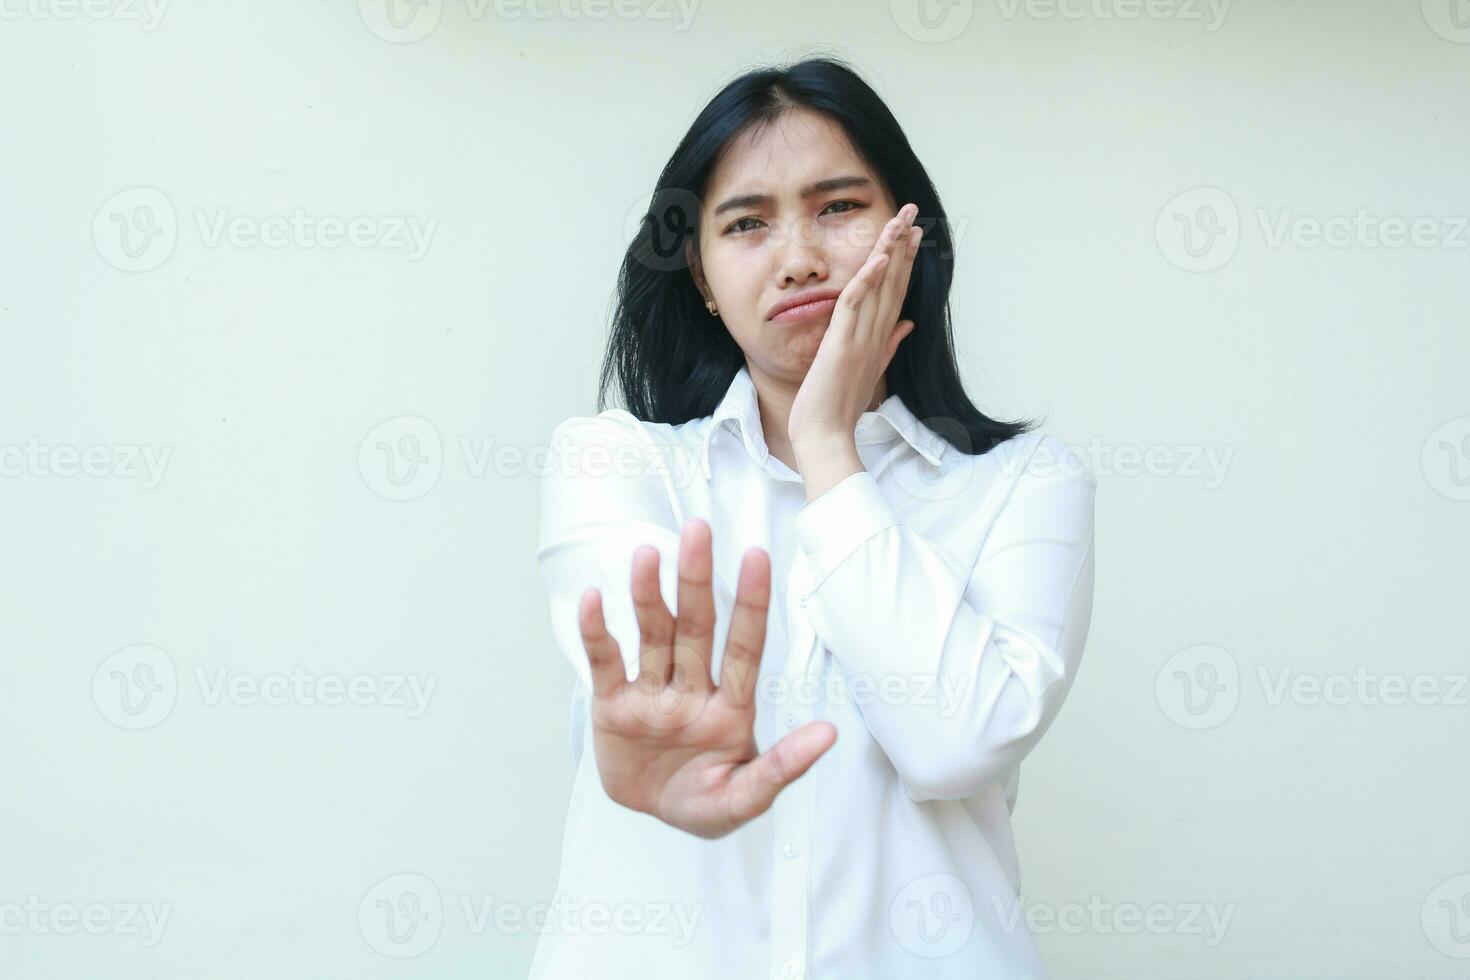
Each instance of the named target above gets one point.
<point>709,304</point>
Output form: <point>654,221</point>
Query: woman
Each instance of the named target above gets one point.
<point>815,636</point>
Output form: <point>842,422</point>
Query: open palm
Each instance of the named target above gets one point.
<point>672,743</point>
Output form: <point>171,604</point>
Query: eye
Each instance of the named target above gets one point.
<point>739,226</point>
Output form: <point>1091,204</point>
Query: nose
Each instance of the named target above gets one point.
<point>802,256</point>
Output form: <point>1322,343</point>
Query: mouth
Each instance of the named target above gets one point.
<point>818,304</point>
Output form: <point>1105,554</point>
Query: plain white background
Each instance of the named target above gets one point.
<point>280,280</point>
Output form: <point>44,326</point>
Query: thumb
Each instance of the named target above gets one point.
<point>754,786</point>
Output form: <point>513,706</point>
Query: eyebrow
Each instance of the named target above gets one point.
<point>820,187</point>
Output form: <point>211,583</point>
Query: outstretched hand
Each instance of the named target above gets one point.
<point>671,743</point>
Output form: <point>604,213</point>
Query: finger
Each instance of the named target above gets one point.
<point>902,330</point>
<point>603,654</point>
<point>906,270</point>
<point>747,637</point>
<point>754,786</point>
<point>694,631</point>
<point>850,300</point>
<point>655,622</point>
<point>882,309</point>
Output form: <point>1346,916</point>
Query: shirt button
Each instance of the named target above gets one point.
<point>791,970</point>
<point>789,849</point>
<point>801,601</point>
<point>790,719</point>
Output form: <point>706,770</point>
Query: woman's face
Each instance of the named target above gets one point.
<point>791,210</point>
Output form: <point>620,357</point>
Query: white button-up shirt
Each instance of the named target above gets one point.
<point>933,607</point>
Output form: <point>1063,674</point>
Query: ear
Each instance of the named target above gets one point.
<point>696,271</point>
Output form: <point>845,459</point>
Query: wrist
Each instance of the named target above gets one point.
<point>823,444</point>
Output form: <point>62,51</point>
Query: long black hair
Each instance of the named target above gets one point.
<point>672,361</point>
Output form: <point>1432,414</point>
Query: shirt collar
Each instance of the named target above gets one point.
<point>742,407</point>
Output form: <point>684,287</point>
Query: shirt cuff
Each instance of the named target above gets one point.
<point>832,527</point>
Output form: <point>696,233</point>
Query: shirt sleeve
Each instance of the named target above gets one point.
<point>1001,641</point>
<point>605,492</point>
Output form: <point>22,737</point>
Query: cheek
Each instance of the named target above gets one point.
<point>737,276</point>
<point>858,236</point>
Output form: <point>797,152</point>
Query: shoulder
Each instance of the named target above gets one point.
<point>1039,456</point>
<point>634,446</point>
<point>615,452</point>
<point>617,426</point>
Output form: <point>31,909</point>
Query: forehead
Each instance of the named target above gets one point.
<point>799,147</point>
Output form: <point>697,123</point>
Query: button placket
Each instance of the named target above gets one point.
<point>794,809</point>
